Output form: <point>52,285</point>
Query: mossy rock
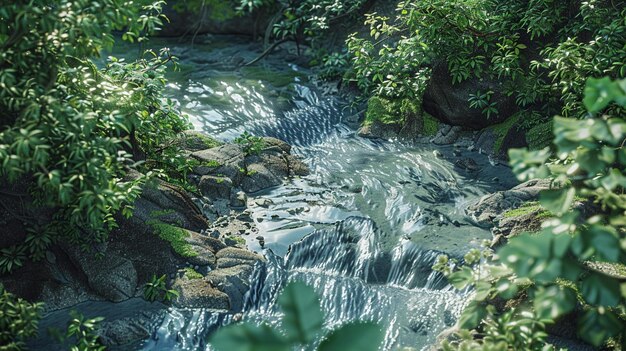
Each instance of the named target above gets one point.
<point>540,136</point>
<point>431,125</point>
<point>175,236</point>
<point>195,141</point>
<point>406,114</point>
<point>383,111</point>
<point>501,130</point>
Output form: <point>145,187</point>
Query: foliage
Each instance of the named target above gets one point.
<point>542,50</point>
<point>252,145</point>
<point>81,333</point>
<point>482,101</point>
<point>156,290</point>
<point>301,325</point>
<point>73,129</point>
<point>572,247</point>
<point>334,66</point>
<point>18,321</point>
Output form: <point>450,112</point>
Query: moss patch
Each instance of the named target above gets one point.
<point>175,236</point>
<point>382,110</point>
<point>238,239</point>
<point>278,79</point>
<point>207,141</point>
<point>502,129</point>
<point>191,274</point>
<point>528,208</point>
<point>540,136</point>
<point>431,124</point>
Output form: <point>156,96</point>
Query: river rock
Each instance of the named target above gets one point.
<point>128,331</point>
<point>238,199</point>
<point>379,130</point>
<point>250,172</point>
<point>215,187</point>
<point>491,206</point>
<point>113,278</point>
<point>200,293</point>
<point>447,135</point>
<point>449,102</point>
<point>232,281</point>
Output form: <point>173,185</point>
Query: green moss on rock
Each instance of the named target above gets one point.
<point>540,136</point>
<point>175,236</point>
<point>192,274</point>
<point>431,125</point>
<point>502,129</point>
<point>528,208</point>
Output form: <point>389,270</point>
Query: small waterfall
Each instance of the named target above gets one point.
<point>357,280</point>
<point>186,329</point>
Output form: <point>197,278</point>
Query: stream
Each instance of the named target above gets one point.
<point>363,229</point>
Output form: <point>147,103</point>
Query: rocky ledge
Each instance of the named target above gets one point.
<point>170,234</point>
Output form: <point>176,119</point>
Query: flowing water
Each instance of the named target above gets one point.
<point>363,228</point>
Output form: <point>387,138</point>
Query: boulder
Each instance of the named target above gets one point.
<point>215,187</point>
<point>168,203</point>
<point>250,172</point>
<point>200,293</point>
<point>490,207</point>
<point>379,130</point>
<point>232,281</point>
<point>449,102</point>
<point>113,277</point>
<point>192,140</point>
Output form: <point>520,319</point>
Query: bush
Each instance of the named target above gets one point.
<point>574,262</point>
<point>542,50</point>
<point>18,321</point>
<point>73,129</point>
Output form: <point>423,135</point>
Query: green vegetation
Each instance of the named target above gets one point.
<point>252,145</point>
<point>81,333</point>
<point>18,320</point>
<point>175,236</point>
<point>502,129</point>
<point>588,252</point>
<point>301,325</point>
<point>191,274</point>
<point>72,129</point>
<point>527,208</point>
<point>541,51</point>
<point>156,290</point>
<point>431,125</point>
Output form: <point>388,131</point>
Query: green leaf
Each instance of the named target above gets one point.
<point>600,290</point>
<point>595,327</point>
<point>461,278</point>
<point>554,301</point>
<point>599,93</point>
<point>472,315</point>
<point>303,317</point>
<point>558,201</point>
<point>248,337</point>
<point>354,337</point>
